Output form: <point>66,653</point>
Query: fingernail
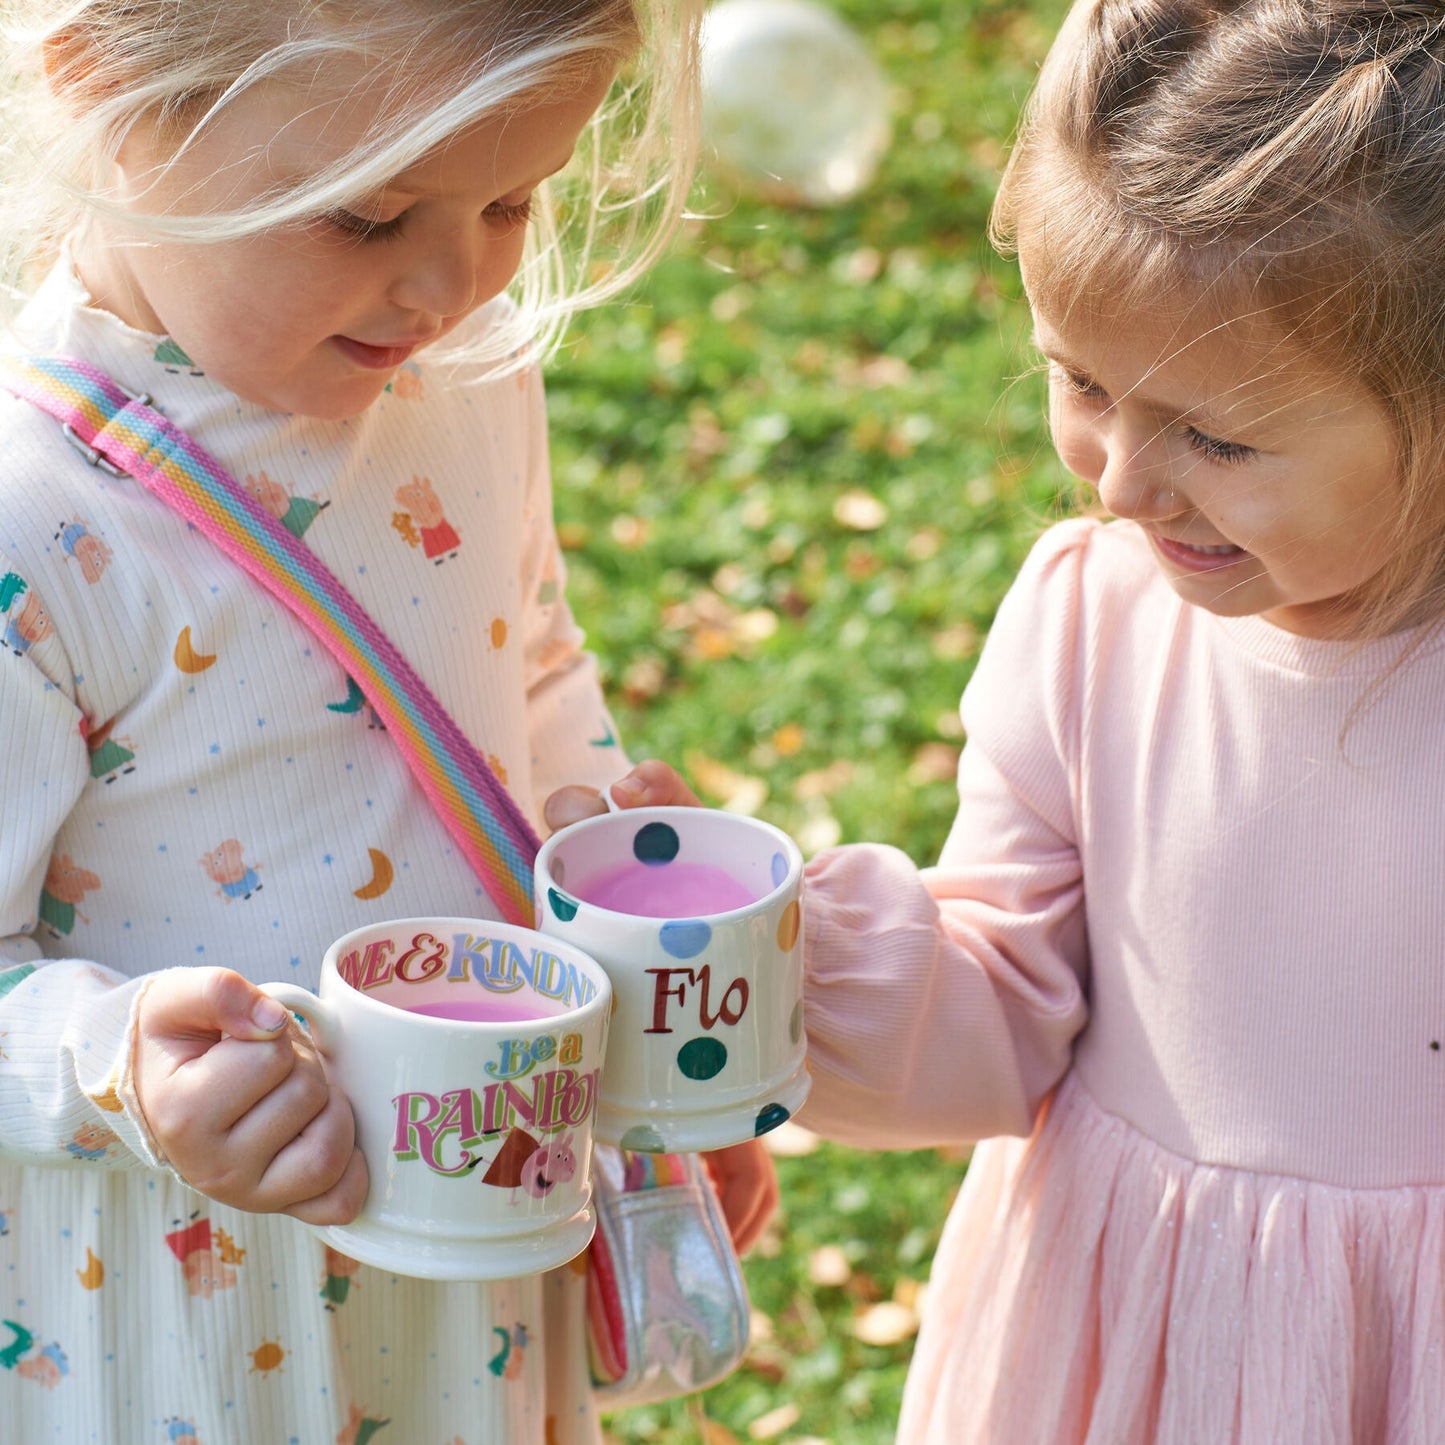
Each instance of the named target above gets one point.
<point>629,786</point>
<point>268,1014</point>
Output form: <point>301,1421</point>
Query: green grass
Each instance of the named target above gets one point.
<point>795,474</point>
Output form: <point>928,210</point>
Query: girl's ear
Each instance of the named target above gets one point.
<point>69,62</point>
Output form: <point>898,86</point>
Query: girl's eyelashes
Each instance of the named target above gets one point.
<point>1212,448</point>
<point>362,227</point>
<point>511,213</point>
<point>1077,382</point>
<point>508,214</point>
<point>1216,450</point>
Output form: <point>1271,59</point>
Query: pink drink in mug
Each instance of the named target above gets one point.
<point>681,890</point>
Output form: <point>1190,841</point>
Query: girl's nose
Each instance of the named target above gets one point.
<point>441,279</point>
<point>1134,480</point>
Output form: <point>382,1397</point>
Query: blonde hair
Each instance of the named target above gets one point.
<point>82,74</point>
<point>1280,162</point>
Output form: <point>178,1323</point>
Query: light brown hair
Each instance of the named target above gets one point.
<point>1281,161</point>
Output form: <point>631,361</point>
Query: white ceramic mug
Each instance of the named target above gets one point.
<point>696,916</point>
<point>470,1052</point>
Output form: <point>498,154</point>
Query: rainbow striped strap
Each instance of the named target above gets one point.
<point>113,426</point>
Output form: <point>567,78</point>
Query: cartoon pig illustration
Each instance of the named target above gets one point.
<point>81,543</point>
<point>296,514</point>
<point>536,1169</point>
<point>226,868</point>
<point>66,883</point>
<point>438,539</point>
<point>201,1263</point>
<point>31,624</point>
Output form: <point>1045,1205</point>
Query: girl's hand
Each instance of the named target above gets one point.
<point>747,1188</point>
<point>236,1095</point>
<point>651,784</point>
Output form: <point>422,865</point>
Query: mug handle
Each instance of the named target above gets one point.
<point>319,1016</point>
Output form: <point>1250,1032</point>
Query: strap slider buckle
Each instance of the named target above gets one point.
<point>93,457</point>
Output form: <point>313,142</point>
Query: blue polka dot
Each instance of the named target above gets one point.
<point>780,868</point>
<point>684,937</point>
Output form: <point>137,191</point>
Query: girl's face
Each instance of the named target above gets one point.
<point>316,318</point>
<point>1265,484</point>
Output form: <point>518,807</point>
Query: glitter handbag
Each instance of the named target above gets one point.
<point>667,1308</point>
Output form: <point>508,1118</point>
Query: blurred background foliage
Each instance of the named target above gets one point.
<point>795,472</point>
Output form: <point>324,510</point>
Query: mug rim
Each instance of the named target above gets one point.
<point>788,846</point>
<point>599,976</point>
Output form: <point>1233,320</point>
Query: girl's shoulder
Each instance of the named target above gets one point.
<point>1091,566</point>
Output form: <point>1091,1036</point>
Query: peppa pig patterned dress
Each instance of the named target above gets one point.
<point>187,778</point>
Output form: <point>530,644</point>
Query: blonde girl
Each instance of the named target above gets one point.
<point>1180,963</point>
<point>324,235</point>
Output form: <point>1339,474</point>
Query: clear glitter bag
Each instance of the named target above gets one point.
<point>667,1308</point>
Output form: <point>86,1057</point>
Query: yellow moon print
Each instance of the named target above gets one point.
<point>109,1101</point>
<point>381,875</point>
<point>93,1275</point>
<point>186,656</point>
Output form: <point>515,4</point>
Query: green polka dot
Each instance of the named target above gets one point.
<point>769,1117</point>
<point>643,1139</point>
<point>702,1058</point>
<point>565,908</point>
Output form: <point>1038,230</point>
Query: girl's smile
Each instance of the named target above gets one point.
<point>1265,484</point>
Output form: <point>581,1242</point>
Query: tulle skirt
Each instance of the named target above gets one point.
<point>1093,1289</point>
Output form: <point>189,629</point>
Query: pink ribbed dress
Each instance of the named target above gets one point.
<point>1186,944</point>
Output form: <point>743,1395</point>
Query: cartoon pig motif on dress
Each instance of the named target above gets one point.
<point>202,1257</point>
<point>296,514</point>
<point>110,756</point>
<point>31,624</point>
<point>66,883</point>
<point>437,538</point>
<point>227,869</point>
<point>81,543</point>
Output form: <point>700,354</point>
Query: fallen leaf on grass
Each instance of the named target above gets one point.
<point>828,1265</point>
<point>772,1424</point>
<point>735,792</point>
<point>886,1323</point>
<point>714,1432</point>
<point>860,511</point>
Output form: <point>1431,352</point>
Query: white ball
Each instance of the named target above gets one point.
<point>792,102</point>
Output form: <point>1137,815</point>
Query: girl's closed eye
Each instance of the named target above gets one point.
<point>510,213</point>
<point>364,228</point>
<point>1077,382</point>
<point>1215,449</point>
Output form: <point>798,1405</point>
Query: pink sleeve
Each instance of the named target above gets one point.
<point>942,1004</point>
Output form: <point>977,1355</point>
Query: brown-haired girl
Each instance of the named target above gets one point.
<point>1180,963</point>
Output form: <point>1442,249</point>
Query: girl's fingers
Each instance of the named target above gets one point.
<point>571,805</point>
<point>342,1202</point>
<point>317,1167</point>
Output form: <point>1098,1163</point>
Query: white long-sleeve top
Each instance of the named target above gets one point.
<point>187,777</point>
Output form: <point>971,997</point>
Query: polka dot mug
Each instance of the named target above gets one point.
<point>695,916</point>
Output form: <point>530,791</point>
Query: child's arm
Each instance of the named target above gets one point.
<point>161,1069</point>
<point>942,1004</point>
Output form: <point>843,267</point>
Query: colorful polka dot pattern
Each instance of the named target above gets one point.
<point>703,1057</point>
